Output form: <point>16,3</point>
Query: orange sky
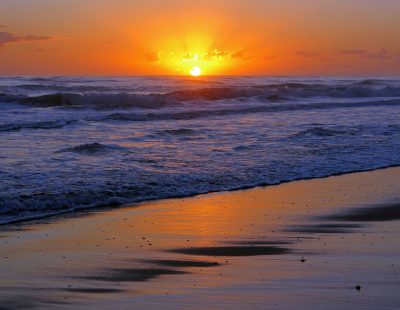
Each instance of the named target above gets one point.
<point>298,37</point>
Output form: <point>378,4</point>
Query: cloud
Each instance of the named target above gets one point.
<point>308,54</point>
<point>46,50</point>
<point>352,51</point>
<point>7,37</point>
<point>216,54</point>
<point>382,54</point>
<point>151,56</point>
<point>269,57</point>
<point>239,55</point>
<point>3,26</point>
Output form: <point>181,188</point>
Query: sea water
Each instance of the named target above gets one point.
<point>68,143</point>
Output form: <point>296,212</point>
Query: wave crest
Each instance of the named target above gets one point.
<point>321,132</point>
<point>178,132</point>
<point>91,149</point>
<point>99,100</point>
<point>37,125</point>
<point>271,93</point>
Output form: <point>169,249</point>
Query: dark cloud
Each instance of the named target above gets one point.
<point>3,26</point>
<point>382,54</point>
<point>308,54</point>
<point>242,55</point>
<point>352,51</point>
<point>7,37</point>
<point>269,57</point>
<point>43,50</point>
<point>239,54</point>
<point>216,54</point>
<point>151,56</point>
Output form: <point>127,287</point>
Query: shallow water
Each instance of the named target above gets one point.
<point>76,142</point>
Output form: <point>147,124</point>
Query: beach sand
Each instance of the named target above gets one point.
<point>327,243</point>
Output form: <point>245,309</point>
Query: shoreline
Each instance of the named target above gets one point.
<point>30,219</point>
<point>319,243</point>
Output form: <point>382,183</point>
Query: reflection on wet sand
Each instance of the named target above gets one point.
<point>325,228</point>
<point>372,214</point>
<point>233,250</point>
<point>290,237</point>
<point>132,274</point>
<point>93,290</point>
<point>182,263</point>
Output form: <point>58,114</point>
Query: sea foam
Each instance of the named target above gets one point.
<point>68,143</point>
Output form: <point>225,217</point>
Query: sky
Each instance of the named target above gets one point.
<point>221,37</point>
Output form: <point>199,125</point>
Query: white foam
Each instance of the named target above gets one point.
<point>118,140</point>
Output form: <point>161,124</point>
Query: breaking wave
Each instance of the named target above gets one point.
<point>68,143</point>
<point>37,125</point>
<point>269,93</point>
<point>287,90</point>
<point>91,149</point>
<point>98,100</point>
<point>186,115</point>
<point>321,132</point>
<point>178,132</point>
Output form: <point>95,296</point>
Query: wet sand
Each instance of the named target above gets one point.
<point>315,244</point>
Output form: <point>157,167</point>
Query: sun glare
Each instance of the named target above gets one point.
<point>195,71</point>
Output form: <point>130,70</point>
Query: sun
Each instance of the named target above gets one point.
<point>195,71</point>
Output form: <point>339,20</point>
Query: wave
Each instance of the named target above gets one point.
<point>42,204</point>
<point>37,125</point>
<point>61,88</point>
<point>214,93</point>
<point>178,132</point>
<point>321,132</point>
<point>186,115</point>
<point>98,100</point>
<point>91,149</point>
<point>269,93</point>
<point>205,113</point>
<point>244,147</point>
<point>275,92</point>
<point>109,161</point>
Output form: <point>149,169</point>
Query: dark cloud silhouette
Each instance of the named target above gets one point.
<point>7,37</point>
<point>151,56</point>
<point>382,54</point>
<point>308,54</point>
<point>239,54</point>
<point>352,51</point>
<point>216,53</point>
<point>269,57</point>
<point>43,50</point>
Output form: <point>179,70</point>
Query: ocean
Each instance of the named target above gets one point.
<point>69,143</point>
